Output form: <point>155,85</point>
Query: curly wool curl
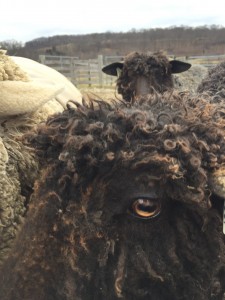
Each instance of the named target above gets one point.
<point>87,235</point>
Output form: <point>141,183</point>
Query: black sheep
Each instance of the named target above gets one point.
<point>125,207</point>
<point>142,73</point>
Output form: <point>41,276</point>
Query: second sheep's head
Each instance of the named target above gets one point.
<point>140,74</point>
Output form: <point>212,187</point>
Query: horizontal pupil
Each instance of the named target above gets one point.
<point>147,208</point>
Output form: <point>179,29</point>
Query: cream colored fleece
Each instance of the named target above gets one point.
<point>9,70</point>
<point>19,167</point>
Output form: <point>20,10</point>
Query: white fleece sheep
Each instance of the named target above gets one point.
<point>46,75</point>
<point>29,93</point>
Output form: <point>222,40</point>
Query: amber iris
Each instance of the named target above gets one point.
<point>145,208</point>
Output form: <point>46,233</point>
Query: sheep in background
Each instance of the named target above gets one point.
<point>25,101</point>
<point>189,80</point>
<point>214,83</point>
<point>126,206</point>
<point>141,74</point>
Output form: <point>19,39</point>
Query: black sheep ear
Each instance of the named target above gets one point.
<point>178,66</point>
<point>112,68</point>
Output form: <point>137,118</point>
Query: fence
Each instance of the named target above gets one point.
<point>82,72</point>
<point>89,72</point>
<point>207,61</point>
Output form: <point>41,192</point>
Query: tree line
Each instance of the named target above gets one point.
<point>176,40</point>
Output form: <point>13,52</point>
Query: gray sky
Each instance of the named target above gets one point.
<point>24,20</point>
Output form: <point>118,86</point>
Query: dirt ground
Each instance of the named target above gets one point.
<point>100,93</point>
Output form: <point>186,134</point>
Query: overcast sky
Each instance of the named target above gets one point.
<point>25,20</point>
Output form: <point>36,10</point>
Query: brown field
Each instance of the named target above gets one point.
<point>105,93</point>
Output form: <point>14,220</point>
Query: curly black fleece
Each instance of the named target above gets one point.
<point>82,238</point>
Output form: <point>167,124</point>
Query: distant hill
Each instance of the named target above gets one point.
<point>179,41</point>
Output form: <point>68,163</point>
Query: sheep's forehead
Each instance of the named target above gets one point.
<point>151,59</point>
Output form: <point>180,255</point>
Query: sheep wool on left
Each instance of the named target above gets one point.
<point>23,104</point>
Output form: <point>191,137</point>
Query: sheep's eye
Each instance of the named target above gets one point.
<point>145,208</point>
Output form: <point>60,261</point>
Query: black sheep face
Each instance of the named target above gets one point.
<point>144,73</point>
<point>146,244</point>
<point>123,208</point>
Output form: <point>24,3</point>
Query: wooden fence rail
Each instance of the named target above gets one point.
<point>82,72</point>
<point>89,72</point>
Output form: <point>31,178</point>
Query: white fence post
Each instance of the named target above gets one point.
<point>100,66</point>
<point>42,59</point>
